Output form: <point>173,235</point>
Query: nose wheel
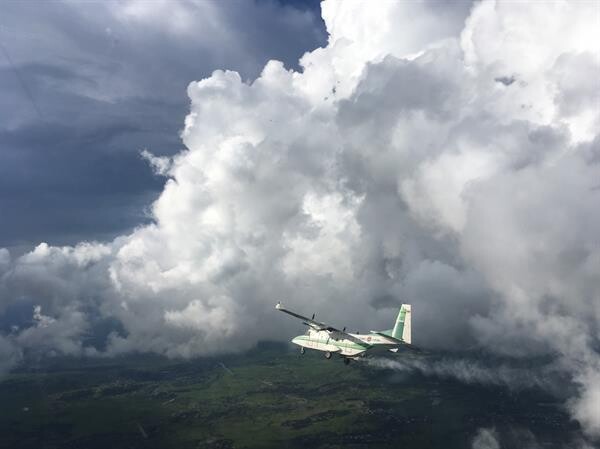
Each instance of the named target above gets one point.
<point>302,350</point>
<point>328,355</point>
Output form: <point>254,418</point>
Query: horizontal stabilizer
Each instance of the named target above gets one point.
<point>389,337</point>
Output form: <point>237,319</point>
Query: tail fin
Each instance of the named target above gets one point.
<point>402,329</point>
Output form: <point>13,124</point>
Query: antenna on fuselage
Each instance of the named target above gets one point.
<point>344,329</point>
<point>313,317</point>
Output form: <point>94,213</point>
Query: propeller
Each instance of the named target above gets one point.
<point>313,317</point>
<point>344,329</point>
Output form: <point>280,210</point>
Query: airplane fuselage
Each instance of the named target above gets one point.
<point>344,344</point>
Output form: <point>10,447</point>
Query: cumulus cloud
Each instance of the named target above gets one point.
<point>492,438</point>
<point>160,164</point>
<point>485,439</point>
<point>394,167</point>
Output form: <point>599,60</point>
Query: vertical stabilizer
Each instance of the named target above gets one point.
<point>402,328</point>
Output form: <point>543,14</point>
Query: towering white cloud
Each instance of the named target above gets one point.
<point>458,172</point>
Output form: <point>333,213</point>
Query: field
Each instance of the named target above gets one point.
<point>271,397</point>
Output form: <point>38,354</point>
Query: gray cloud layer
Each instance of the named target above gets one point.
<point>398,165</point>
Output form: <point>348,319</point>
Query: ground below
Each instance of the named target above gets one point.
<point>270,397</point>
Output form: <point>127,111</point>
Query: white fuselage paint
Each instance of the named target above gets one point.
<point>347,345</point>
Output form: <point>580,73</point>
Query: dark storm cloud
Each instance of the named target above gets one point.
<point>85,87</point>
<point>76,179</point>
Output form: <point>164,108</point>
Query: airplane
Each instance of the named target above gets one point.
<point>322,337</point>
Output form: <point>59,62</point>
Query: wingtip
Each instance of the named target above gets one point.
<point>278,305</point>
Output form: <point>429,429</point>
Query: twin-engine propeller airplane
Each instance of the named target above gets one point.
<point>330,340</point>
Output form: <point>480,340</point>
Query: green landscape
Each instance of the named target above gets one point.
<point>270,397</point>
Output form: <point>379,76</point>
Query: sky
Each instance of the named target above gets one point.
<point>440,154</point>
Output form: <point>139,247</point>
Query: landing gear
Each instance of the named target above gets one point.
<point>328,355</point>
<point>302,350</point>
<point>346,361</point>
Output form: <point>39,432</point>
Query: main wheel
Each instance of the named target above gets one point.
<point>302,350</point>
<point>346,361</point>
<point>328,355</point>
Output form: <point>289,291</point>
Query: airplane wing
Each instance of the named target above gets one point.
<point>317,325</point>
